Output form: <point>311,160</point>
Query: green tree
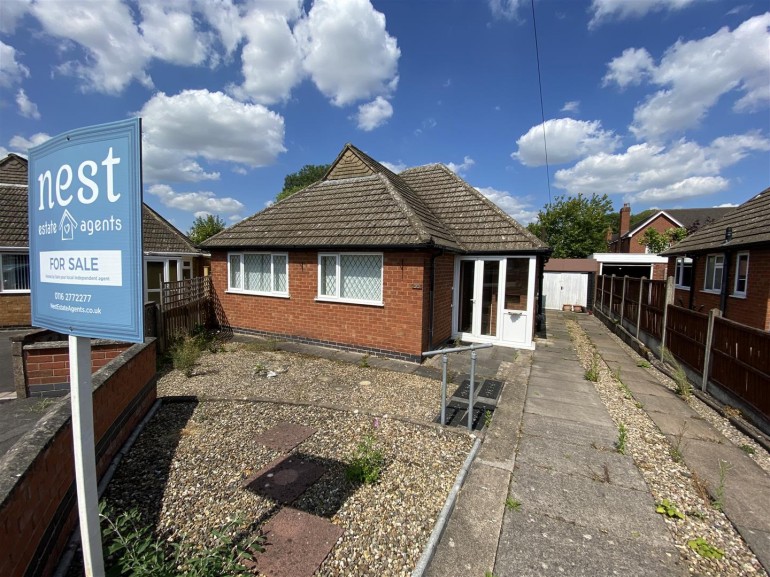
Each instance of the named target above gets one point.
<point>656,242</point>
<point>204,227</point>
<point>305,176</point>
<point>575,226</point>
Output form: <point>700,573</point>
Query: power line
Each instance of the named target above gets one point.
<point>542,108</point>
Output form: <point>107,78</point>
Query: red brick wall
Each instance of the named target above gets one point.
<point>47,367</point>
<point>398,326</point>
<point>442,304</point>
<point>14,310</point>
<point>38,514</point>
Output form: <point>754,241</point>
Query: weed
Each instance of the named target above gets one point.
<point>678,446</point>
<point>261,345</point>
<point>643,364</point>
<point>667,508</point>
<point>682,383</point>
<point>260,370</point>
<point>697,514</point>
<point>367,465</point>
<point>700,487</point>
<point>185,354</point>
<point>616,375</point>
<point>364,362</point>
<point>748,449</point>
<point>705,549</point>
<point>624,388</point>
<point>592,373</point>
<point>489,574</point>
<point>719,498</point>
<point>457,342</point>
<point>512,504</point>
<point>731,411</point>
<point>620,444</point>
<point>487,418</point>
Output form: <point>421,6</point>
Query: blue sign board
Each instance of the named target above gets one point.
<point>85,232</point>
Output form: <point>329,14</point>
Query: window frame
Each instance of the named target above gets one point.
<point>711,289</point>
<point>3,290</point>
<point>680,264</point>
<point>736,292</point>
<point>241,262</point>
<point>338,276</point>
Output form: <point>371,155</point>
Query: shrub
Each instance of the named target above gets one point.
<point>185,354</point>
<point>367,465</point>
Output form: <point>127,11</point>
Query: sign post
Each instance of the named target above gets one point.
<point>85,240</point>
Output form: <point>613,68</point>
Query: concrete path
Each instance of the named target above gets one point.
<point>747,488</point>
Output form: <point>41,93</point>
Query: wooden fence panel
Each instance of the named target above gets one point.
<point>653,301</point>
<point>686,336</point>
<point>631,302</point>
<point>741,362</point>
<point>185,306</point>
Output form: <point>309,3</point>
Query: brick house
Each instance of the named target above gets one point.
<point>726,265</point>
<point>168,254</point>
<point>626,256</point>
<point>373,261</point>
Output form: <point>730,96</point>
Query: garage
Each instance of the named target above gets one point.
<point>569,282</point>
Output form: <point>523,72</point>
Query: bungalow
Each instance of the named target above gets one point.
<point>726,265</point>
<point>373,261</point>
<point>168,254</point>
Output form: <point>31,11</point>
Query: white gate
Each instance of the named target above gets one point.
<point>565,288</point>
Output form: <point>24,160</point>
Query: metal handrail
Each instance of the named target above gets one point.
<point>444,360</point>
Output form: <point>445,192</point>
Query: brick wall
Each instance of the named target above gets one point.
<point>37,491</point>
<point>398,327</point>
<point>47,365</point>
<point>442,303</point>
<point>14,310</point>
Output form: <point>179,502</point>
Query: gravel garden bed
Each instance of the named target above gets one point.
<point>669,478</point>
<point>186,471</point>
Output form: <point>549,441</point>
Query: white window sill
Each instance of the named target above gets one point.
<point>681,286</point>
<point>14,292</point>
<point>738,296</point>
<point>348,301</point>
<point>258,294</point>
<point>711,291</point>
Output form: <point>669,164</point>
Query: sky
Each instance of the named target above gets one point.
<point>656,103</point>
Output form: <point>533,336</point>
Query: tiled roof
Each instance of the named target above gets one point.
<point>14,228</point>
<point>159,235</point>
<point>696,217</point>
<point>750,224</point>
<point>361,203</point>
<point>13,170</point>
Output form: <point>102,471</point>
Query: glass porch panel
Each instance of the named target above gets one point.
<point>467,271</point>
<point>489,297</point>
<point>516,284</point>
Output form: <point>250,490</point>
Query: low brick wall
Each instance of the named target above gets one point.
<point>14,310</point>
<point>38,504</point>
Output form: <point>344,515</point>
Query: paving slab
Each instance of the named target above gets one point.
<point>579,413</point>
<point>565,395</point>
<point>689,428</point>
<point>296,543</point>
<point>534,545</point>
<point>568,431</point>
<point>285,478</point>
<point>284,436</point>
<point>576,385</point>
<point>646,386</point>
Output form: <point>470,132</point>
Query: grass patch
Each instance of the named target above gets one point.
<point>512,504</point>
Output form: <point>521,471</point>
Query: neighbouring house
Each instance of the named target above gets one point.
<point>569,282</point>
<point>373,261</point>
<point>627,257</point>
<point>168,254</point>
<point>726,265</point>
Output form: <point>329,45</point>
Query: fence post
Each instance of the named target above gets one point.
<point>713,313</point>
<point>612,294</point>
<point>668,300</point>
<point>602,303</point>
<point>639,307</point>
<point>623,300</point>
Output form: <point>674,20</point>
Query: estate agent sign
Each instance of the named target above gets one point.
<point>85,232</point>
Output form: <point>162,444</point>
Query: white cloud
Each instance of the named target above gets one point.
<point>567,139</point>
<point>11,71</point>
<point>374,114</point>
<point>27,108</point>
<point>179,130</point>
<point>348,53</point>
<point>505,9</point>
<point>225,18</point>
<point>621,9</point>
<point>694,75</point>
<point>4,152</point>
<point>466,164</point>
<point>10,13</point>
<point>23,144</point>
<point>169,29</point>
<point>271,62</point>
<point>522,211</point>
<point>394,166</point>
<point>571,106</point>
<point>654,172</point>
<point>199,203</point>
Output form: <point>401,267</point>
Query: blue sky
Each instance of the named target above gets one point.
<point>660,103</point>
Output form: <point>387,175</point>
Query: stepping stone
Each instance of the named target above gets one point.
<point>284,436</point>
<point>284,479</point>
<point>296,543</point>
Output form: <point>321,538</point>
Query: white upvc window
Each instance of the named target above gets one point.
<point>741,274</point>
<point>14,272</point>
<point>350,277</point>
<point>683,272</point>
<point>261,273</point>
<point>715,264</point>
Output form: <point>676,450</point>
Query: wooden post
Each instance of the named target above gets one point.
<point>612,294</point>
<point>668,300</point>
<point>623,300</point>
<point>639,308</point>
<point>713,313</point>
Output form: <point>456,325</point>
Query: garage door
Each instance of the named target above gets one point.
<point>565,288</point>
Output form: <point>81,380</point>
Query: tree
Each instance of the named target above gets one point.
<point>575,226</point>
<point>204,227</point>
<point>656,242</point>
<point>305,176</point>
